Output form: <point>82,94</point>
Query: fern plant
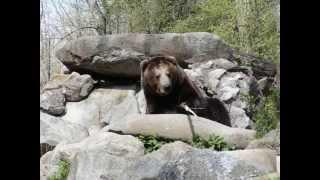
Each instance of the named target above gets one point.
<point>63,171</point>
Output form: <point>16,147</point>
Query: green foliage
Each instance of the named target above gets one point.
<point>264,37</point>
<point>149,16</point>
<point>267,115</point>
<point>247,25</point>
<point>153,143</point>
<point>213,142</point>
<point>258,35</point>
<point>63,171</point>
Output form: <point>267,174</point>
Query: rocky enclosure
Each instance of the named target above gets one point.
<point>92,114</point>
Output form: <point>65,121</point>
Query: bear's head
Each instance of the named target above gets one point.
<point>160,74</point>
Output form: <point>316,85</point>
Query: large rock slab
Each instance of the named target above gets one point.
<point>103,105</point>
<point>208,165</point>
<point>180,161</point>
<point>120,55</point>
<point>92,156</point>
<point>54,130</point>
<point>111,156</point>
<point>180,126</point>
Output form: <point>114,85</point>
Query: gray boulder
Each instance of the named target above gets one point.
<point>208,165</point>
<point>234,88</point>
<point>111,156</point>
<point>52,98</point>
<point>239,117</point>
<point>214,78</point>
<point>54,130</point>
<point>55,68</point>
<point>265,84</point>
<point>228,82</point>
<point>180,161</point>
<point>127,107</point>
<point>219,63</point>
<point>94,155</point>
<point>120,55</point>
<point>53,102</point>
<point>232,85</point>
<point>141,102</point>
<point>201,72</point>
<point>263,159</point>
<point>269,176</point>
<point>56,82</point>
<point>43,73</point>
<point>271,141</point>
<point>180,126</point>
<point>103,105</point>
<point>77,87</point>
<point>46,169</point>
<point>62,88</point>
<point>278,164</point>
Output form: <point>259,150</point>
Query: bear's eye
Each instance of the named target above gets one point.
<point>157,76</point>
<point>168,74</point>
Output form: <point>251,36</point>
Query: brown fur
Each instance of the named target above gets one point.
<point>183,90</point>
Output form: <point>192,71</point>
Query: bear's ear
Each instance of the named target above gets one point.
<point>143,65</point>
<point>172,59</point>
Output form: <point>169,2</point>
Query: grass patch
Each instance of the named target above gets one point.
<point>63,171</point>
<point>153,143</point>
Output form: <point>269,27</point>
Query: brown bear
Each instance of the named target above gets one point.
<point>166,87</point>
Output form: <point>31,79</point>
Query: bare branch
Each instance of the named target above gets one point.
<point>69,34</point>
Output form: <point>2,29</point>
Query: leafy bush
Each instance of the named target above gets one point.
<point>267,116</point>
<point>260,35</point>
<point>153,143</point>
<point>264,111</point>
<point>213,142</point>
<point>63,171</point>
<point>155,16</point>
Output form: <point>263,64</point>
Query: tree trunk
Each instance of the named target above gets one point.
<point>243,12</point>
<point>49,59</point>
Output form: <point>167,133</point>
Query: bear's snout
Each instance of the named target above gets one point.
<point>164,85</point>
<point>165,90</point>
